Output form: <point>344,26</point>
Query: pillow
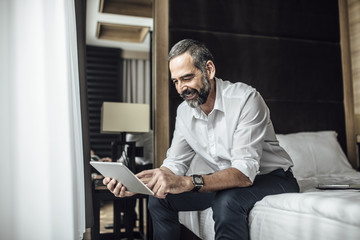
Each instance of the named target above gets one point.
<point>314,153</point>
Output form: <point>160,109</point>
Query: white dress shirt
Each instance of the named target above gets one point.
<point>237,133</point>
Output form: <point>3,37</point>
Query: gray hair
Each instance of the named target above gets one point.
<point>197,50</point>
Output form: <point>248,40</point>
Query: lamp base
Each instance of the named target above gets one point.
<point>129,153</point>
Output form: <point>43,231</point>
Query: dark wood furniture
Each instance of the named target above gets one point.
<point>124,216</point>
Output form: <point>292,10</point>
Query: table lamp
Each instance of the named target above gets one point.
<point>121,118</point>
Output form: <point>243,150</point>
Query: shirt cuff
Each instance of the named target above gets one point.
<point>177,169</point>
<point>250,169</point>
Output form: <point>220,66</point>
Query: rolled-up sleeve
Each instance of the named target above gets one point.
<point>249,134</point>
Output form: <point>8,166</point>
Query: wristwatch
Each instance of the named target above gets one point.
<point>198,182</point>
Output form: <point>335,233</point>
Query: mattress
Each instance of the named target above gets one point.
<point>312,214</point>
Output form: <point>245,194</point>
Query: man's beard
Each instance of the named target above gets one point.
<point>201,96</point>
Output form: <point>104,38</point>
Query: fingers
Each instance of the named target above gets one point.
<point>106,159</point>
<point>150,177</point>
<point>154,179</point>
<point>145,180</point>
<point>121,191</point>
<point>158,180</point>
<point>159,186</point>
<point>106,180</point>
<point>145,176</point>
<point>150,182</point>
<point>145,173</point>
<point>110,183</point>
<point>117,188</point>
<point>160,190</point>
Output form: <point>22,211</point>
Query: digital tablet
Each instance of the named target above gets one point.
<point>338,186</point>
<point>122,174</point>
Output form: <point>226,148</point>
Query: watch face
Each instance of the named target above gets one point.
<point>198,180</point>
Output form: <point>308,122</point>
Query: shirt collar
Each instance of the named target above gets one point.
<point>218,105</point>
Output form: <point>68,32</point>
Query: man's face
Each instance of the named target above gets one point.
<point>190,83</point>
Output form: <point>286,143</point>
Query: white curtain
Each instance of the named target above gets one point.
<point>136,81</point>
<point>42,189</point>
<point>136,87</point>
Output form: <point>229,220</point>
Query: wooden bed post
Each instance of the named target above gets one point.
<point>347,83</point>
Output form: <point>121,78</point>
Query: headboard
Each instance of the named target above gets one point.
<point>288,50</point>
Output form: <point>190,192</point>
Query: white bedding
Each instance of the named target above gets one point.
<point>328,215</point>
<point>311,214</point>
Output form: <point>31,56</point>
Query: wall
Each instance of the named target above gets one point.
<point>288,50</point>
<point>354,30</point>
<point>103,74</point>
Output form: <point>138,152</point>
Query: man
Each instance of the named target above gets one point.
<point>228,125</point>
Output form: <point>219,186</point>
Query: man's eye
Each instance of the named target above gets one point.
<point>175,82</point>
<point>188,78</point>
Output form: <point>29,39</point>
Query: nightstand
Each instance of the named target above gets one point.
<point>123,207</point>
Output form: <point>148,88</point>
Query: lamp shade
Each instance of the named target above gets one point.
<point>119,117</point>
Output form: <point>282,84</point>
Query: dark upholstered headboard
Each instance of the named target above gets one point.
<point>288,50</point>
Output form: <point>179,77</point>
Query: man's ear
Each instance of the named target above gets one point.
<point>210,69</point>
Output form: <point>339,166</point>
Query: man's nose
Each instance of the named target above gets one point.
<point>180,87</point>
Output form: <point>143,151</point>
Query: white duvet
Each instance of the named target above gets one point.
<point>312,214</point>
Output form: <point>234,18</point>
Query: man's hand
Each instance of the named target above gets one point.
<point>106,159</point>
<point>117,188</point>
<point>163,181</point>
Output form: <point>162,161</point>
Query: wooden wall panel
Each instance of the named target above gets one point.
<point>347,83</point>
<point>161,80</point>
<point>354,27</point>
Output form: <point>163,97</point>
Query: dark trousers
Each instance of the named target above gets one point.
<point>230,207</point>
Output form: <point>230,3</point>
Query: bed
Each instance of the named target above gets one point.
<point>312,213</point>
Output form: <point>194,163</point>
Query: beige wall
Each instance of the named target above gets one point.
<point>354,29</point>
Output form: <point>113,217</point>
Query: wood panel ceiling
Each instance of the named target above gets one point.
<point>139,8</point>
<point>122,32</point>
<point>120,23</point>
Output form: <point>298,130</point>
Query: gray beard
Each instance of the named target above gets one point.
<point>201,96</point>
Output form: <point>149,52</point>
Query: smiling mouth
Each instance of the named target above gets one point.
<point>190,96</point>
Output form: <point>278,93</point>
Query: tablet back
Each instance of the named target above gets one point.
<point>122,174</point>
